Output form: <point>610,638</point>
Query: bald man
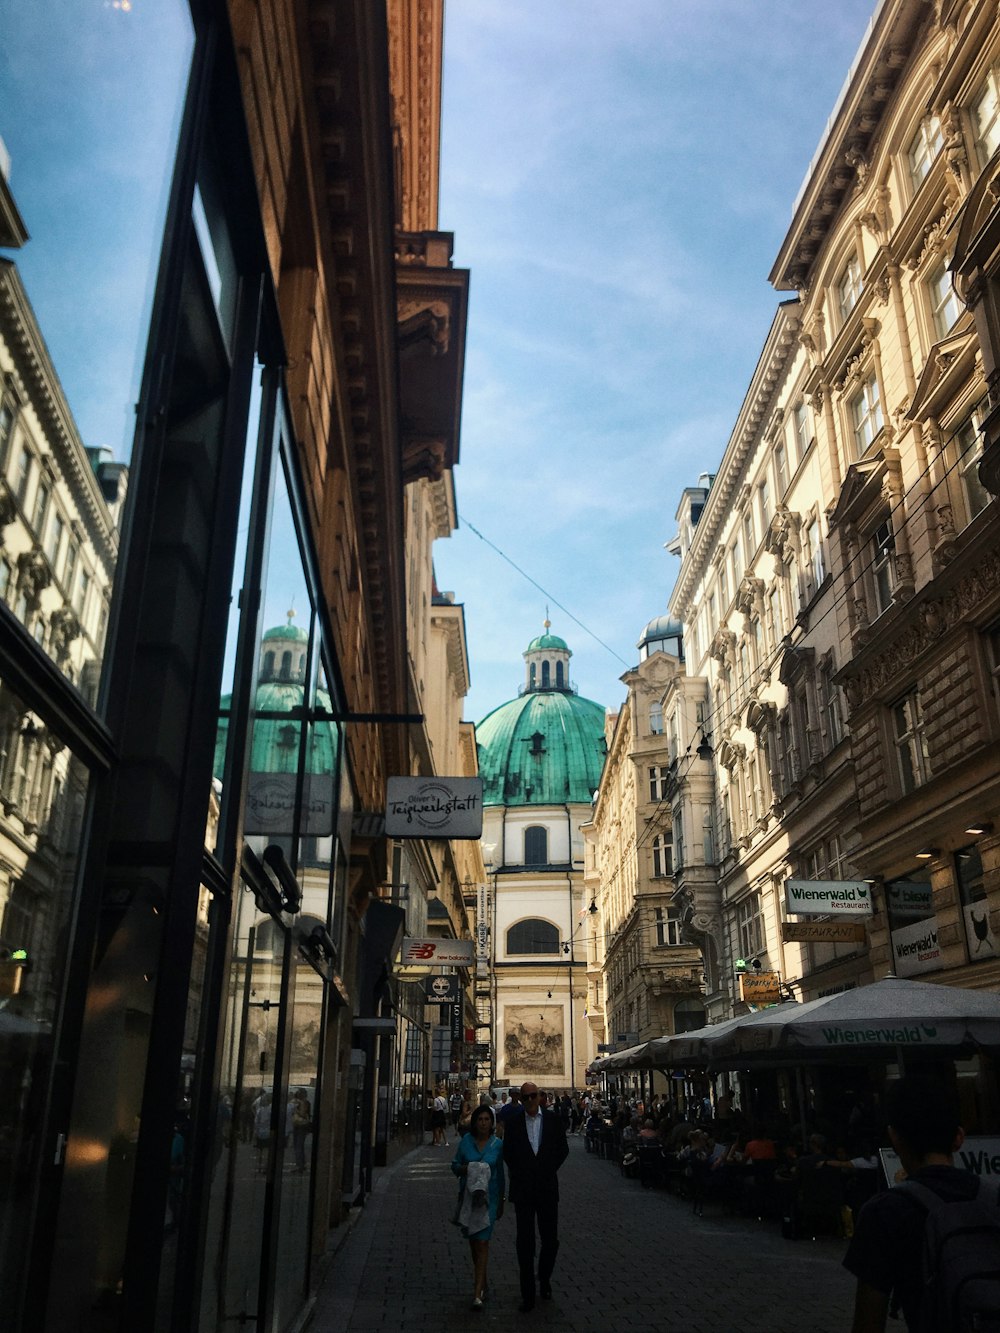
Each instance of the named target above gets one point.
<point>534,1148</point>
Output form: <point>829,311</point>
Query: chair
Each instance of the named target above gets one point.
<point>817,1208</point>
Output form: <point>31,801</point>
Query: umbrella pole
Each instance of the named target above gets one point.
<point>900,1061</point>
<point>800,1092</point>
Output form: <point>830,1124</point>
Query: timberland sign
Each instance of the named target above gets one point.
<point>434,808</point>
<point>827,897</point>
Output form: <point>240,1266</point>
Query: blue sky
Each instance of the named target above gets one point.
<point>619,179</point>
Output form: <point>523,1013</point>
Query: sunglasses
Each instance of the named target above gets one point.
<point>529,1096</point>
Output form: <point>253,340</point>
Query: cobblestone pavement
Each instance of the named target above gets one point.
<point>630,1258</point>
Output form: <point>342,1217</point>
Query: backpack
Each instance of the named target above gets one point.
<point>961,1261</point>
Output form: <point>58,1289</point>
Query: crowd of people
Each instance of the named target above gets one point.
<point>810,1181</point>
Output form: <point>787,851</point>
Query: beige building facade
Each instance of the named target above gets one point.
<point>644,979</point>
<point>839,588</point>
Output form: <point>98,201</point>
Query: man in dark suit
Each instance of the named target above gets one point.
<point>534,1148</point>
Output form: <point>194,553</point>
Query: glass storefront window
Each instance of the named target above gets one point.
<point>979,934</point>
<point>45,790</point>
<point>912,924</point>
<point>91,98</point>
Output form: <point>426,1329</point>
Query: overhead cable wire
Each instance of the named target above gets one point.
<point>535,584</point>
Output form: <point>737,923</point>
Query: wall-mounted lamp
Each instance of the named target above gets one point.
<point>565,947</point>
<point>549,994</point>
<point>978,826</point>
<point>927,854</point>
<point>704,750</point>
<point>592,909</point>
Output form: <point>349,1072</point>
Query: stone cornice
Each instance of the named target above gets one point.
<point>755,413</point>
<point>416,38</point>
<point>842,160</point>
<point>20,330</point>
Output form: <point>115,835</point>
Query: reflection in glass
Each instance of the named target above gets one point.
<point>44,790</point>
<point>91,97</point>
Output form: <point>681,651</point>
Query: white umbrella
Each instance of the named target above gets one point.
<point>693,1047</point>
<point>888,1016</point>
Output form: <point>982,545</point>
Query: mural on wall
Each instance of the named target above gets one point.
<point>533,1044</point>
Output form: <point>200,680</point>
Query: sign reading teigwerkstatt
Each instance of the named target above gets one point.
<point>822,932</point>
<point>434,808</point>
<point>760,988</point>
<point>828,897</point>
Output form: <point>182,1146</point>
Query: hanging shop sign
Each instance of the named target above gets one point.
<point>915,948</point>
<point>441,990</point>
<point>828,897</point>
<point>822,932</point>
<point>435,952</point>
<point>276,805</point>
<point>760,988</point>
<point>482,923</point>
<point>434,808</point>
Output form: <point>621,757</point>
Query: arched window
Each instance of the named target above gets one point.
<point>532,674</point>
<point>268,665</point>
<point>536,846</point>
<point>533,936</point>
<point>286,665</point>
<point>545,675</point>
<point>688,1015</point>
<point>559,673</point>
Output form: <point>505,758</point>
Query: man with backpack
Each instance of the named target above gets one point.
<point>930,1246</point>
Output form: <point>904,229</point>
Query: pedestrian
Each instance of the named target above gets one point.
<point>455,1108</point>
<point>262,1128</point>
<point>510,1108</point>
<point>439,1119</point>
<point>478,1163</point>
<point>534,1148</point>
<point>301,1125</point>
<point>886,1251</point>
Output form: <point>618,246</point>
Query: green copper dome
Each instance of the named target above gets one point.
<point>547,746</point>
<point>548,641</point>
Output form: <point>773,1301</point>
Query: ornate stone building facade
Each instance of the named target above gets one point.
<point>838,585</point>
<point>644,978</point>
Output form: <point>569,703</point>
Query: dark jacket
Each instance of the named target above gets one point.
<point>532,1174</point>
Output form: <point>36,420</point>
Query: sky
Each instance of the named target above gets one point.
<point>619,179</point>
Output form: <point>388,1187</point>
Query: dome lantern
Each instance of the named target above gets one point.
<point>546,663</point>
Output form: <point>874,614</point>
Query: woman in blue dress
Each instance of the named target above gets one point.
<point>482,1145</point>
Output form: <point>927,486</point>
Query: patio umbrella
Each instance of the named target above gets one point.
<point>693,1047</point>
<point>888,1016</point>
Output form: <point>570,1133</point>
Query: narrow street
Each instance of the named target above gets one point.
<point>629,1258</point>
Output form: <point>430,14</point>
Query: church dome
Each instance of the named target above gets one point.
<point>547,746</point>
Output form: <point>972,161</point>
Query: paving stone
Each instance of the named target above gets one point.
<point>628,1256</point>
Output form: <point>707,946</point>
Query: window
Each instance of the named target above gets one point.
<point>737,558</point>
<point>777,618</point>
<point>6,425</point>
<point>749,536</point>
<point>750,923</point>
<point>979,937</point>
<point>533,936</point>
<point>546,678</point>
<point>849,287</point>
<point>41,508</point>
<point>975,494</point>
<point>70,567</point>
<point>992,637</point>
<point>559,675</point>
<point>883,565</point>
<point>54,537</point>
<point>532,675</point>
<point>723,587</point>
<point>912,758</point>
<point>22,474</point>
<point>945,305</point>
<point>986,118</point>
<point>801,427</point>
<point>80,594</point>
<point>924,148</point>
<point>656,718</point>
<point>815,572</point>
<point>781,468</point>
<point>657,783</point>
<point>830,703</point>
<point>668,925</point>
<point>764,495</point>
<point>663,855</point>
<point>536,845</point>
<point>866,415</point>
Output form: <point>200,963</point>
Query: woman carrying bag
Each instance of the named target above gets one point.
<point>478,1164</point>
